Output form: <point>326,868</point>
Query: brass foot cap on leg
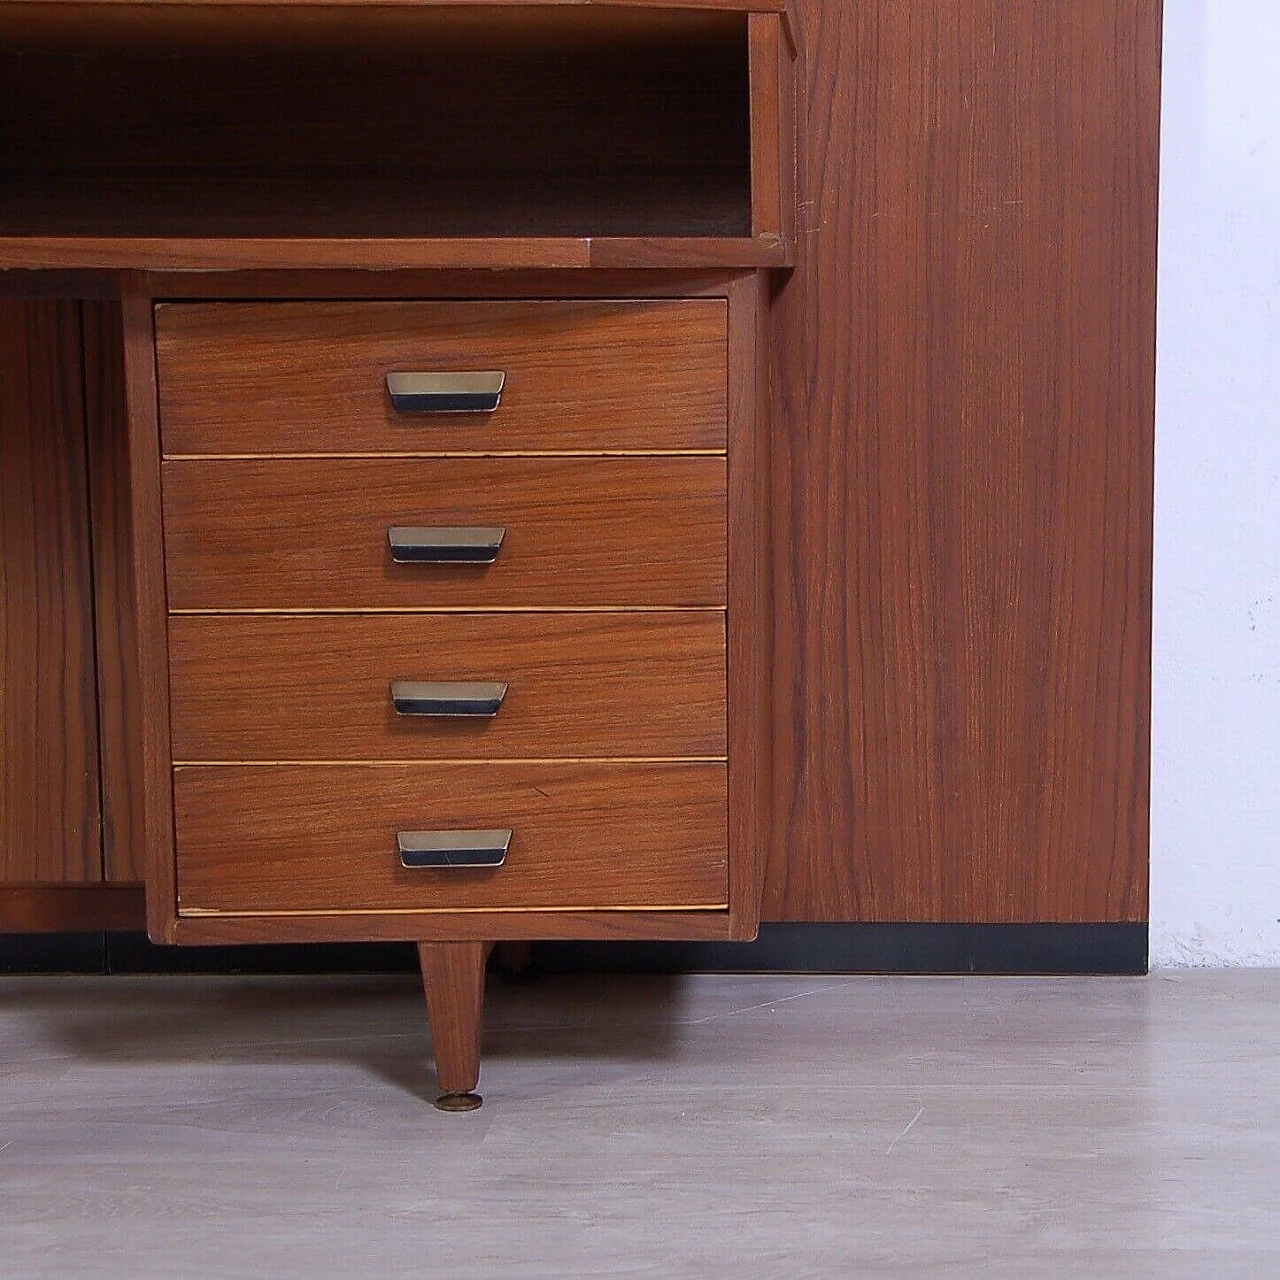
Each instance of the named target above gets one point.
<point>458,1101</point>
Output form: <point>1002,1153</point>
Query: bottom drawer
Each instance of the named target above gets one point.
<point>276,839</point>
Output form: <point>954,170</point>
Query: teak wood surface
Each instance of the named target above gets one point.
<point>65,907</point>
<point>85,8</point>
<point>611,685</point>
<point>960,373</point>
<point>453,978</point>
<point>154,780</point>
<point>119,707</point>
<point>597,377</point>
<point>457,926</point>
<point>379,253</point>
<point>49,798</point>
<point>963,372</point>
<point>731,911</point>
<point>322,838</point>
<point>749,615</point>
<point>581,532</point>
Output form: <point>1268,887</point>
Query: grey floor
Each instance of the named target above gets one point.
<point>710,1126</point>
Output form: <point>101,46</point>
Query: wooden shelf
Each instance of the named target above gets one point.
<point>125,253</point>
<point>736,6</point>
<point>187,135</point>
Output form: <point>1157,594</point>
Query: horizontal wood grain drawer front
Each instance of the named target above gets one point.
<point>310,377</point>
<point>319,688</point>
<point>313,534</point>
<point>264,839</point>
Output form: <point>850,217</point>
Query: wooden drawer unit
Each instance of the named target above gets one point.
<point>451,676</point>
<point>314,534</point>
<point>308,377</point>
<point>325,839</point>
<point>613,685</point>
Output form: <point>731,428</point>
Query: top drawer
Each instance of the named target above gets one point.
<point>310,377</point>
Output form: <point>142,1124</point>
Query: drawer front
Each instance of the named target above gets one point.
<point>310,377</point>
<point>319,687</point>
<point>265,839</point>
<point>313,534</point>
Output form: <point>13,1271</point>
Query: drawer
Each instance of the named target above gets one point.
<point>313,534</point>
<point>319,687</point>
<point>266,839</point>
<point>310,377</point>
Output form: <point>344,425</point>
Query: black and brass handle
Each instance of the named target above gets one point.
<point>453,849</point>
<point>448,697</point>
<point>446,392</point>
<point>444,546</point>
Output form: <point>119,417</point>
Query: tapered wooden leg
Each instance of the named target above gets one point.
<point>453,975</point>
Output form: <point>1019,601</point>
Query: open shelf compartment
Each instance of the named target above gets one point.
<point>413,123</point>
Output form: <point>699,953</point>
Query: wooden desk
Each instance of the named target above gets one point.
<point>940,242</point>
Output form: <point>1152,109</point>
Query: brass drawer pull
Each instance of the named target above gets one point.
<point>445,546</point>
<point>448,697</point>
<point>448,849</point>
<point>445,392</point>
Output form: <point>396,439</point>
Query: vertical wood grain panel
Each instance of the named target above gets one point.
<point>964,381</point>
<point>150,657</point>
<point>748,628</point>
<point>120,747</point>
<point>49,826</point>
<point>767,174</point>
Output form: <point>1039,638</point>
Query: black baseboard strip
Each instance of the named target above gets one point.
<point>53,953</point>
<point>781,948</point>
<point>873,948</point>
<point>135,953</point>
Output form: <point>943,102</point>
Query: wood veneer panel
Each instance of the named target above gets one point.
<point>772,196</point>
<point>87,10</point>
<point>313,253</point>
<point>690,253</point>
<point>963,476</point>
<point>310,377</point>
<point>108,23</point>
<point>670,926</point>
<point>154,794</point>
<point>49,811</point>
<point>581,532</point>
<point>749,613</point>
<point>71,908</point>
<point>119,710</point>
<point>323,838</point>
<point>317,688</point>
<point>414,285</point>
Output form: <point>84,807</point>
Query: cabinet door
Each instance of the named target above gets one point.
<point>49,785</point>
<point>964,384</point>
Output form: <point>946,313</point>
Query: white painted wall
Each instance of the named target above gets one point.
<point>1215,894</point>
